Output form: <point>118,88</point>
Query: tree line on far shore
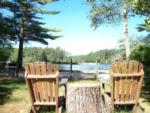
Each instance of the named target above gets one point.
<point>58,55</point>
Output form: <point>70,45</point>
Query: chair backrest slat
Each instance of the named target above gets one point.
<point>127,84</point>
<point>128,88</point>
<point>116,81</point>
<point>51,90</point>
<point>43,69</point>
<point>31,69</point>
<point>37,68</point>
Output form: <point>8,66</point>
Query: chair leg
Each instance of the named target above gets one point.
<point>34,109</point>
<point>134,108</point>
<point>56,109</point>
<point>103,86</point>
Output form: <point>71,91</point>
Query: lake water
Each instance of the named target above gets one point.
<point>81,67</point>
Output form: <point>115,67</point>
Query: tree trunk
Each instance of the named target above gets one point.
<point>20,52</point>
<point>83,98</point>
<point>127,45</point>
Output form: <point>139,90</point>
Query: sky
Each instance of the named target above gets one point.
<point>78,36</point>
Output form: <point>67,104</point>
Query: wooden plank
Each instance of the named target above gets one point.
<point>43,69</point>
<point>38,73</point>
<point>130,67</point>
<point>49,68</point>
<point>134,88</point>
<point>56,92</point>
<point>35,89</point>
<point>38,84</point>
<point>32,70</point>
<point>117,80</point>
<point>54,89</point>
<point>45,103</point>
<point>118,67</point>
<point>139,88</point>
<point>125,75</point>
<point>140,70</point>
<point>122,89</point>
<point>124,103</point>
<point>51,85</point>
<point>128,88</point>
<point>113,68</point>
<point>130,71</point>
<point>56,68</point>
<point>136,67</point>
<point>50,76</point>
<point>117,87</point>
<point>27,70</point>
<point>112,91</point>
<point>46,90</point>
<point>37,69</point>
<point>30,87</point>
<point>51,90</point>
<point>44,83</point>
<point>31,93</point>
<point>124,67</point>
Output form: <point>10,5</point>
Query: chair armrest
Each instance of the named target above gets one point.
<point>42,77</point>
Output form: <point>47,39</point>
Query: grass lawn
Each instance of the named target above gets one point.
<point>14,98</point>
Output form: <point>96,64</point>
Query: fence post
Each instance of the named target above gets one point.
<point>71,65</point>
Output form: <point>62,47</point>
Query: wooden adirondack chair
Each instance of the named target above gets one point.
<point>42,81</point>
<point>126,82</point>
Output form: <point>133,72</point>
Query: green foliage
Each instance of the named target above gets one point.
<point>145,26</point>
<point>4,56</point>
<point>13,55</point>
<point>59,55</point>
<point>108,12</point>
<point>104,56</point>
<point>5,53</point>
<point>27,24</point>
<point>105,12</point>
<point>23,24</point>
<point>146,40</point>
<point>142,7</point>
<point>41,54</point>
<point>142,54</point>
<point>6,23</point>
<point>45,1</point>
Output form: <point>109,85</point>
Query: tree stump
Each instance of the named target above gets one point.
<point>83,98</point>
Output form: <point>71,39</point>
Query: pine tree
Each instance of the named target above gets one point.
<point>6,24</point>
<point>26,25</point>
<point>142,7</point>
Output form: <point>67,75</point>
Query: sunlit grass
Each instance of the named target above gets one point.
<point>17,100</point>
